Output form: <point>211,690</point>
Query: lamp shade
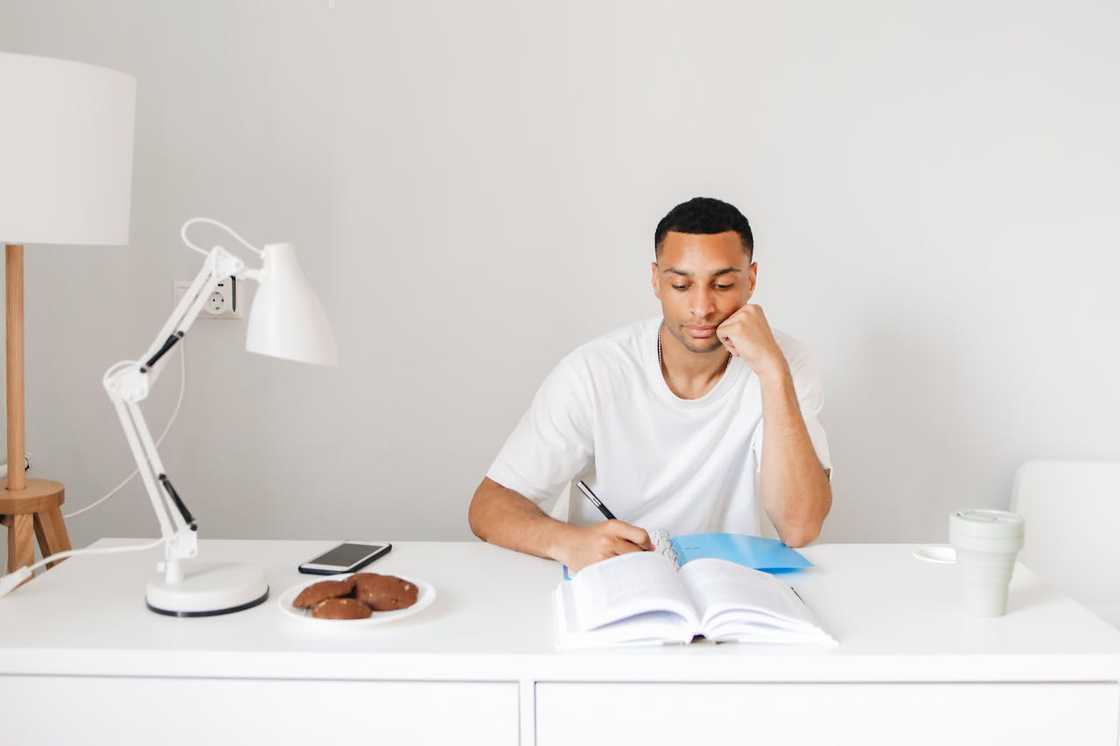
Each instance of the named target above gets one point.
<point>65,151</point>
<point>287,320</point>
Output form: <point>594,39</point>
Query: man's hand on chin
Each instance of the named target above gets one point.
<point>747,334</point>
<point>581,546</point>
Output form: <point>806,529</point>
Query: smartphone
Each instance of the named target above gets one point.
<point>346,557</point>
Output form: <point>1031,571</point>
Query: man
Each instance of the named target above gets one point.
<point>691,422</point>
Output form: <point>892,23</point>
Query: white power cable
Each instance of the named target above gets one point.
<point>174,413</point>
<point>219,224</point>
<point>9,582</point>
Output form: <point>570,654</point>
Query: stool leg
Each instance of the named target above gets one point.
<point>51,530</point>
<point>21,542</point>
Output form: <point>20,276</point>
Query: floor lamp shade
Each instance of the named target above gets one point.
<point>65,151</point>
<point>66,134</point>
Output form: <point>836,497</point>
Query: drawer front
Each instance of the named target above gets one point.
<point>815,714</point>
<point>77,709</point>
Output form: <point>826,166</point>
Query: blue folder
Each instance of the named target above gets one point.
<point>768,555</point>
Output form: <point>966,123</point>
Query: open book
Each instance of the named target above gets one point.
<point>642,598</point>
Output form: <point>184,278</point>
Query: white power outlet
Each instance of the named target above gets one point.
<point>223,303</point>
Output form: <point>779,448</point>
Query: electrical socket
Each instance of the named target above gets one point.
<point>223,303</point>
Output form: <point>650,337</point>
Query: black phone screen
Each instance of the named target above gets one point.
<point>345,555</point>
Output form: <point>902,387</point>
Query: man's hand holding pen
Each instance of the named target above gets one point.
<point>585,545</point>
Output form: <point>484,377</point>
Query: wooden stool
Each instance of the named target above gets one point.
<point>37,506</point>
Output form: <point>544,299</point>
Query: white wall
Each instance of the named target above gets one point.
<point>474,186</point>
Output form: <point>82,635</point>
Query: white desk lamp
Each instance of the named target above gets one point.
<point>286,321</point>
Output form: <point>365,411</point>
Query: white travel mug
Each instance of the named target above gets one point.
<point>986,542</point>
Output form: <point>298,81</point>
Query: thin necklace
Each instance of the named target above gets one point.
<point>661,359</point>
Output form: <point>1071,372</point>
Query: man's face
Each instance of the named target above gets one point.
<point>701,279</point>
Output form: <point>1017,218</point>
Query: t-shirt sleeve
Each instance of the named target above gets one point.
<point>810,397</point>
<point>554,440</point>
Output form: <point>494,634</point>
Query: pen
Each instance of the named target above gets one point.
<point>595,500</point>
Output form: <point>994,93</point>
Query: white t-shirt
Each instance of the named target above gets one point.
<point>606,415</point>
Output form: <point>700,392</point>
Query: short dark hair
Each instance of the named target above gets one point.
<point>704,215</point>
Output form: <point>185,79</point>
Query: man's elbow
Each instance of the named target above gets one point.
<point>475,514</point>
<point>799,536</point>
<point>803,530</point>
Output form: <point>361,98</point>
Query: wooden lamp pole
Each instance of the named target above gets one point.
<point>26,505</point>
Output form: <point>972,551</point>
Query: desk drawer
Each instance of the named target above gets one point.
<point>95,710</point>
<point>815,714</point>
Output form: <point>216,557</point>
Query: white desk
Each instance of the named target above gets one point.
<point>83,661</point>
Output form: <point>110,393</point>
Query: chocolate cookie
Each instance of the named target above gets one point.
<point>384,592</point>
<point>323,590</point>
<point>341,608</point>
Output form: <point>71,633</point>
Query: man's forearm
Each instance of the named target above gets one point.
<point>795,489</point>
<point>501,516</point>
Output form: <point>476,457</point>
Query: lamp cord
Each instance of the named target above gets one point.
<point>59,556</point>
<point>167,428</point>
<point>219,224</point>
<point>12,580</point>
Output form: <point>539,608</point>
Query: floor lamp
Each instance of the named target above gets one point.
<point>65,178</point>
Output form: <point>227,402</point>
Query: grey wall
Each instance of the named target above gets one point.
<point>473,187</point>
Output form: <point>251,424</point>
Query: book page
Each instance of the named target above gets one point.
<point>737,602</point>
<point>628,585</point>
<point>652,628</point>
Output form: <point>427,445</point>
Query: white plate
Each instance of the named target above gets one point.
<point>940,553</point>
<point>424,599</point>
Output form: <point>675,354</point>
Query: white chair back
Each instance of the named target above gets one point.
<point>1072,515</point>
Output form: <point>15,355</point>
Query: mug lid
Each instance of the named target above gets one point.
<point>983,522</point>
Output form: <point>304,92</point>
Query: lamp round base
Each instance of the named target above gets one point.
<point>208,589</point>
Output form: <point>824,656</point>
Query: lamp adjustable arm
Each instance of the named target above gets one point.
<point>128,384</point>
<point>219,263</point>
